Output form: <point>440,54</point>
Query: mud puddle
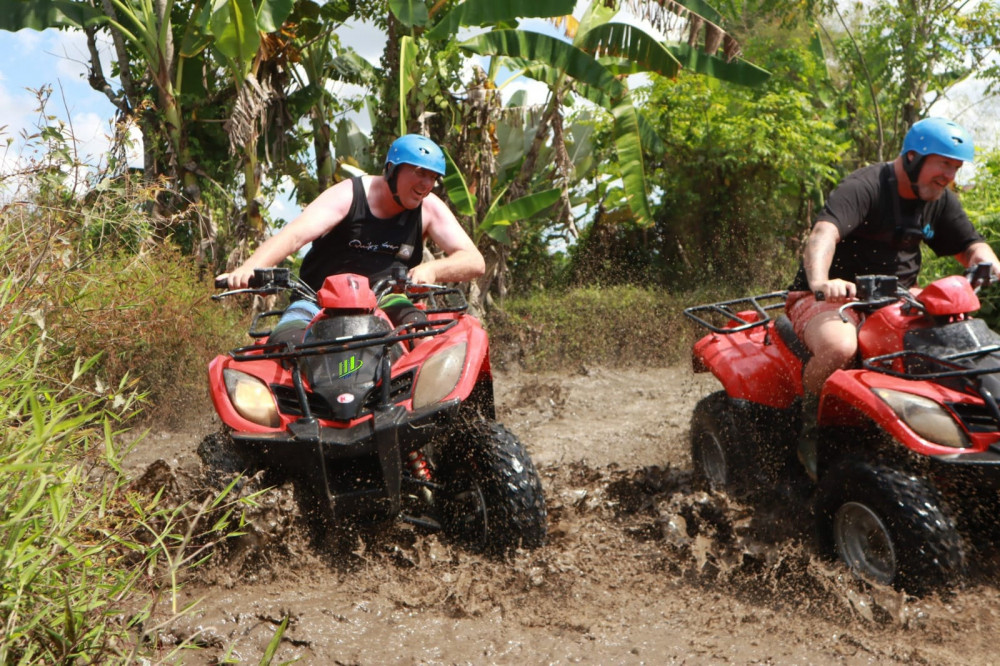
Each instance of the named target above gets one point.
<point>642,566</point>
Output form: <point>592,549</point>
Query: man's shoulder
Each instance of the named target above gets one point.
<point>863,184</point>
<point>869,175</point>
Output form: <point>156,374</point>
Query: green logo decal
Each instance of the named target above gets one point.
<point>350,365</point>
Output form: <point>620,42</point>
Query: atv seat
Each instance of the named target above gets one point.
<point>783,325</point>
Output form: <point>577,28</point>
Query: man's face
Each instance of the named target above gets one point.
<point>413,184</point>
<point>936,174</point>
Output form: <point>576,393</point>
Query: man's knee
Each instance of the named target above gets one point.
<point>836,350</point>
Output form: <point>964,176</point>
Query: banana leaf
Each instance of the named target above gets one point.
<point>410,12</point>
<point>488,12</point>
<point>458,191</point>
<point>497,222</point>
<point>633,170</point>
<point>737,71</point>
<point>42,14</point>
<point>633,45</point>
<point>550,51</point>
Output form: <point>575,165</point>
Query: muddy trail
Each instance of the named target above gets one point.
<point>642,566</point>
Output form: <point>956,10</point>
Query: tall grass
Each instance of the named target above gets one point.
<point>95,327</point>
<point>86,560</point>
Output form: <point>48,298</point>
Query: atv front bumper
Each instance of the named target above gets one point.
<point>360,468</point>
<point>973,471</point>
<point>297,446</point>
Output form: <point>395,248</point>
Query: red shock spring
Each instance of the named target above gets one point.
<point>418,465</point>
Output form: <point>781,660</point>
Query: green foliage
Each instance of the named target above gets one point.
<point>892,61</point>
<point>145,314</point>
<point>742,174</point>
<point>591,326</point>
<point>93,325</point>
<point>83,556</point>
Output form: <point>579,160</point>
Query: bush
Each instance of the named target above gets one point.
<point>144,315</point>
<point>84,557</point>
<point>90,332</point>
<point>615,326</point>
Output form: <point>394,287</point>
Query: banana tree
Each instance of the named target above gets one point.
<point>146,29</point>
<point>593,64</point>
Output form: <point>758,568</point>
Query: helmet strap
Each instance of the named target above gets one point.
<point>391,172</point>
<point>912,166</point>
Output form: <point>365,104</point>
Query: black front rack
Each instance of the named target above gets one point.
<point>729,316</point>
<point>919,366</point>
<point>288,350</point>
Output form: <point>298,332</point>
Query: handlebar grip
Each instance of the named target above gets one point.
<point>221,283</point>
<point>819,295</point>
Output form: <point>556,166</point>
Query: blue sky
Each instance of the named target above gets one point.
<point>31,60</point>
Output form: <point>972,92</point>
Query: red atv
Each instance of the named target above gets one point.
<point>908,454</point>
<point>371,427</point>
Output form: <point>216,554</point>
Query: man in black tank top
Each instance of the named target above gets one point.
<point>369,224</point>
<point>874,223</point>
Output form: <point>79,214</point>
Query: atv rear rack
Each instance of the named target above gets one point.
<point>739,314</point>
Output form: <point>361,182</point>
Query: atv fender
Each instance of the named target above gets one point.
<point>755,365</point>
<point>848,400</point>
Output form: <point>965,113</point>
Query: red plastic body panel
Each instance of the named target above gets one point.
<point>848,400</point>
<point>952,295</point>
<point>347,291</point>
<point>752,365</point>
<point>467,330</point>
<point>757,366</point>
<point>882,332</point>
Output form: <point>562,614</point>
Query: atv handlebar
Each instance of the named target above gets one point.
<point>878,291</point>
<point>981,275</point>
<point>266,281</point>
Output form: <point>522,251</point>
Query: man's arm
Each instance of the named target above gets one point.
<point>462,260</point>
<point>318,218</point>
<point>977,253</point>
<point>817,257</point>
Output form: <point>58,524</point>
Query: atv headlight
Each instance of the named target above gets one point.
<point>926,417</point>
<point>439,376</point>
<point>252,398</point>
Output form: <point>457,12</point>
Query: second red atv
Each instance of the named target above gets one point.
<point>908,456</point>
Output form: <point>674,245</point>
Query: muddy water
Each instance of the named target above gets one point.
<point>643,566</point>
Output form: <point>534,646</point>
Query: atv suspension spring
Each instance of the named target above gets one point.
<point>418,465</point>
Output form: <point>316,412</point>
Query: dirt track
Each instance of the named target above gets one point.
<point>642,565</point>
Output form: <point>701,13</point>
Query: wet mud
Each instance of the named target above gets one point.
<point>643,565</point>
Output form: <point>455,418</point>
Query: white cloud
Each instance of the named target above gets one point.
<point>365,38</point>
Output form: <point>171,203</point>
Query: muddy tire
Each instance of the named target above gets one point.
<point>717,452</point>
<point>492,500</point>
<point>222,459</point>
<point>889,527</point>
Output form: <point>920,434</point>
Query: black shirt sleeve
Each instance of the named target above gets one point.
<point>951,230</point>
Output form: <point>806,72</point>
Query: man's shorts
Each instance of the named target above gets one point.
<point>802,306</point>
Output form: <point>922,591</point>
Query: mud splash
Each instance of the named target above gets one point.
<point>642,565</point>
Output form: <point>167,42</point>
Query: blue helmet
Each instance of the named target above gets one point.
<point>934,136</point>
<point>416,150</point>
<point>938,136</point>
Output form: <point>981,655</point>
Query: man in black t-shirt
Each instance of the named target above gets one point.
<point>873,223</point>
